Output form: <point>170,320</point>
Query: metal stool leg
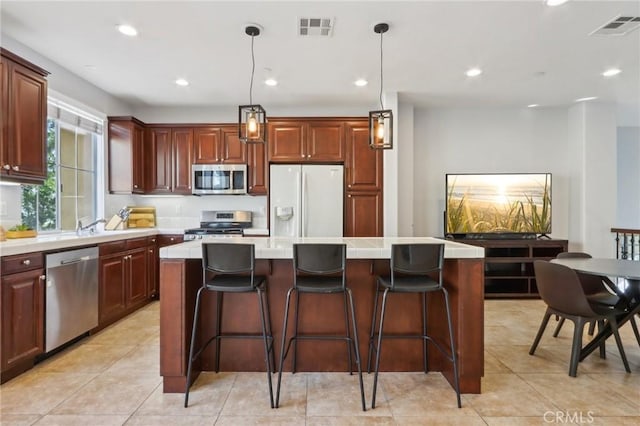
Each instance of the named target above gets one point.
<point>424,333</point>
<point>219,296</point>
<point>348,341</point>
<point>380,331</point>
<point>373,328</point>
<point>266,343</point>
<point>356,349</point>
<point>284,339</point>
<point>192,346</point>
<point>454,356</point>
<point>294,363</point>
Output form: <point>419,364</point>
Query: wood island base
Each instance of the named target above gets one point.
<point>181,278</point>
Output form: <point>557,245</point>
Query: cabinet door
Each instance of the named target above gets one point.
<point>182,142</point>
<point>113,300</point>
<point>159,151</point>
<point>363,215</point>
<point>152,270</point>
<point>257,169</point>
<point>137,163</point>
<point>4,117</point>
<point>286,142</point>
<point>325,141</point>
<point>27,123</point>
<point>206,145</point>
<point>22,317</point>
<point>233,151</point>
<point>363,165</point>
<point>137,276</point>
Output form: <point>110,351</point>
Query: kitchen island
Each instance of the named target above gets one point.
<point>181,276</point>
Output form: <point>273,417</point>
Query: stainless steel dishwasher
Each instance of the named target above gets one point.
<point>71,295</point>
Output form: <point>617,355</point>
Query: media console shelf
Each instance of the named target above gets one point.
<point>508,264</point>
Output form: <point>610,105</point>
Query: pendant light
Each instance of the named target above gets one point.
<point>252,118</point>
<point>381,121</point>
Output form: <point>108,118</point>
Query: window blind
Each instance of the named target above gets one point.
<point>74,116</point>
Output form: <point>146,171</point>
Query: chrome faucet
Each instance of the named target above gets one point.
<point>91,227</point>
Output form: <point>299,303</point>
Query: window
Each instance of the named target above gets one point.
<point>70,192</point>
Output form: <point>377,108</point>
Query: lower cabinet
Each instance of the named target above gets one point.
<point>153,285</point>
<point>123,278</point>
<point>22,318</point>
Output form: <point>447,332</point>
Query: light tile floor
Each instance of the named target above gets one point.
<point>112,378</point>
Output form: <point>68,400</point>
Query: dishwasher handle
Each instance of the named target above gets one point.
<point>80,259</point>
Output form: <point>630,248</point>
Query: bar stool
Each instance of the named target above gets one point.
<point>320,269</point>
<point>411,268</point>
<point>233,268</point>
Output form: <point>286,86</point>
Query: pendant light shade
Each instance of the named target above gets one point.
<point>381,121</point>
<point>252,118</point>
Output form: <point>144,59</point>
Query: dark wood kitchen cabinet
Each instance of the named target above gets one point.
<point>257,169</point>
<point>123,285</point>
<point>23,119</point>
<point>363,183</point>
<point>152,267</point>
<point>170,156</point>
<point>126,155</point>
<point>22,317</point>
<point>218,144</point>
<point>306,140</point>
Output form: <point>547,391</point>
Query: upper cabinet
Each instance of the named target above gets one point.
<point>170,155</point>
<point>363,165</point>
<point>257,169</point>
<point>23,119</point>
<point>126,156</point>
<point>306,140</point>
<point>218,144</point>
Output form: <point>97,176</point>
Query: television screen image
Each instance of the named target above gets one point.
<point>498,203</point>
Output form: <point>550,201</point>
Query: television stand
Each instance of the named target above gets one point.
<point>508,264</point>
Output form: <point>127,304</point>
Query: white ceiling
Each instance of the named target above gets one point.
<point>530,53</point>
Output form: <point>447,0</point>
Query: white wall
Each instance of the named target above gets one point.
<point>406,188</point>
<point>628,177</point>
<point>487,140</point>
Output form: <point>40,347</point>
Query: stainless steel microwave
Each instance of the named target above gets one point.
<point>219,179</point>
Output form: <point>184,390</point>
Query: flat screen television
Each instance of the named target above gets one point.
<point>499,204</point>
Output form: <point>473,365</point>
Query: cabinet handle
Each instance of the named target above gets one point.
<point>42,277</point>
<point>26,262</point>
<point>135,186</point>
<point>308,155</point>
<point>16,168</point>
<point>349,195</point>
<point>171,239</point>
<point>150,251</point>
<point>6,167</point>
<point>348,186</point>
<point>302,156</point>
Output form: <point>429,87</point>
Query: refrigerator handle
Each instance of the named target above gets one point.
<point>304,204</point>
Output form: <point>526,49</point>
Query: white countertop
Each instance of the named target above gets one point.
<point>357,248</point>
<point>64,240</point>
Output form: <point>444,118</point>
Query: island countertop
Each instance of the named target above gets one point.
<point>357,248</point>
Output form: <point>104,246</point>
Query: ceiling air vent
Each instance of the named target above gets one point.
<point>620,25</point>
<point>315,27</point>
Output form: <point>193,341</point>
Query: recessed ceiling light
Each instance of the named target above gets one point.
<point>271,82</point>
<point>611,72</point>
<point>474,72</point>
<point>555,2</point>
<point>361,82</point>
<point>182,82</point>
<point>127,30</point>
<point>532,105</point>
<point>588,98</point>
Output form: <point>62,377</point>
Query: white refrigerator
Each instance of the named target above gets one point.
<point>306,200</point>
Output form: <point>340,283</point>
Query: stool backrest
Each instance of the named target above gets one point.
<point>320,259</point>
<point>560,288</point>
<point>226,258</point>
<point>417,259</point>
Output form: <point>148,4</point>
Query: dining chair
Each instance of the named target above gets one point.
<point>229,268</point>
<point>560,288</point>
<point>412,270</point>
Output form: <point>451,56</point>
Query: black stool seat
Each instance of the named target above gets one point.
<point>229,268</point>
<point>320,269</point>
<point>410,284</point>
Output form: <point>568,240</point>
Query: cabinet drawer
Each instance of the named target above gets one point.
<point>112,247</point>
<point>136,243</point>
<point>22,262</point>
<point>167,240</point>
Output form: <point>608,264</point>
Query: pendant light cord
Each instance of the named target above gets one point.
<point>253,69</point>
<point>381,106</point>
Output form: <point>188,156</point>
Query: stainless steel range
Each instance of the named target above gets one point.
<point>220,223</point>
